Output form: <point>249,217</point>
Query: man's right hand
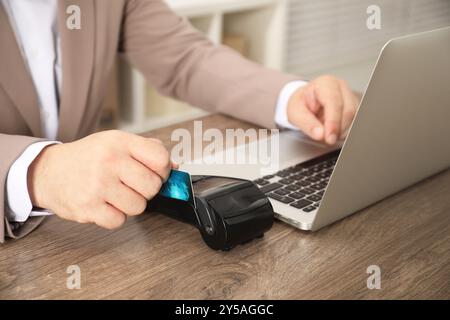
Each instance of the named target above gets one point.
<point>100,179</point>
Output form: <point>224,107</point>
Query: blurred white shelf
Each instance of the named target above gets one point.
<point>192,8</point>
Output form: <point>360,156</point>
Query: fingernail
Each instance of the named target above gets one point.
<point>318,133</point>
<point>332,138</point>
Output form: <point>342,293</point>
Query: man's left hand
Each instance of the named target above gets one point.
<point>323,109</point>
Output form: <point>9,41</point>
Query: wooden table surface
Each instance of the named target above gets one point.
<point>154,257</point>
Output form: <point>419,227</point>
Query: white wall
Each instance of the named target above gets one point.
<point>331,36</point>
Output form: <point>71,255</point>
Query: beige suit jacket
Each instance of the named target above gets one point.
<point>175,59</point>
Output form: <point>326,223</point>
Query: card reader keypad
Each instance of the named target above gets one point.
<point>302,186</point>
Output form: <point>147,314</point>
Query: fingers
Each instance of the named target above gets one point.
<point>125,199</point>
<point>328,94</point>
<point>350,107</point>
<point>108,217</point>
<point>151,153</point>
<point>310,99</point>
<point>302,117</point>
<point>140,178</point>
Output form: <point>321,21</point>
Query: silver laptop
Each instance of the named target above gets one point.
<point>400,135</point>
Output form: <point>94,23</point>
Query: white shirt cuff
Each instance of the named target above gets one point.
<point>18,203</point>
<point>281,117</point>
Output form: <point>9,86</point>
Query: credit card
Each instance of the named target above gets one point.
<point>178,186</point>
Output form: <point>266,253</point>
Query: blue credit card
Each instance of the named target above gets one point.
<point>178,186</point>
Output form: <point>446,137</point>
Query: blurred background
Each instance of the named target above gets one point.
<point>303,37</point>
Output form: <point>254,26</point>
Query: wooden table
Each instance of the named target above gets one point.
<point>154,257</point>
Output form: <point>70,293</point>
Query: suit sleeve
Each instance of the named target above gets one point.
<point>180,62</point>
<point>11,147</point>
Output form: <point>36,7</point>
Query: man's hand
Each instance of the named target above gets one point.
<point>100,179</point>
<point>323,109</point>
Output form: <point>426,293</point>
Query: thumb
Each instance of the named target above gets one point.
<point>174,165</point>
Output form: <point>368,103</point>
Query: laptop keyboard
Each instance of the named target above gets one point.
<point>301,186</point>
